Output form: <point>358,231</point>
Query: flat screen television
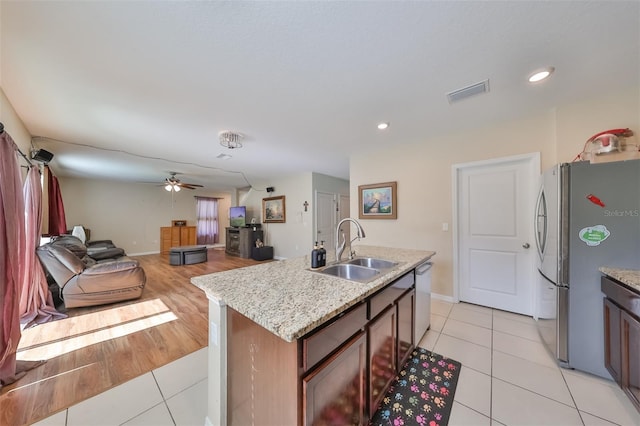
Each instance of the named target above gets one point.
<point>238,216</point>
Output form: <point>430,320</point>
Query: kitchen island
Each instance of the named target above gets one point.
<point>622,328</point>
<point>280,335</point>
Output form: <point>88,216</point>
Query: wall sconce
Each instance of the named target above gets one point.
<point>305,205</point>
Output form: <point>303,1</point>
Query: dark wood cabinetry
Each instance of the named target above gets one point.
<point>406,307</point>
<point>240,241</point>
<point>334,392</point>
<point>342,369</point>
<point>612,357</point>
<point>622,336</point>
<point>176,236</point>
<point>382,356</point>
<point>630,350</point>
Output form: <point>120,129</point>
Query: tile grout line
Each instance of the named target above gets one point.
<point>164,401</point>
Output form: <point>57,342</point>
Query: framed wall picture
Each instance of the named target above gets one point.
<point>274,210</point>
<point>378,201</point>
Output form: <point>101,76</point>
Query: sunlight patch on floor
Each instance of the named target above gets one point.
<point>85,330</point>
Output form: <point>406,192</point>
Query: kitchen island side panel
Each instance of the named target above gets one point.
<point>262,375</point>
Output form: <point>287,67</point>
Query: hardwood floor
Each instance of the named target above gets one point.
<point>100,347</point>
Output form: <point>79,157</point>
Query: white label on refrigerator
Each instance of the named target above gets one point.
<point>594,235</point>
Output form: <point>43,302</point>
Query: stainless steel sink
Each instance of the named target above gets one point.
<point>351,272</point>
<point>372,262</point>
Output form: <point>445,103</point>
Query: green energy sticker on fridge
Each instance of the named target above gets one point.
<point>594,235</point>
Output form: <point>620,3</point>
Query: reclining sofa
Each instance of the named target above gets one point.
<point>86,281</point>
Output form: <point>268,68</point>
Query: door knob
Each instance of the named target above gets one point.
<point>526,245</point>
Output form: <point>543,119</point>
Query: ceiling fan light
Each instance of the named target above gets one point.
<point>168,187</point>
<point>176,188</point>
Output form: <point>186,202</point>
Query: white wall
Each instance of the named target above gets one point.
<point>131,214</point>
<point>292,238</point>
<point>423,171</point>
<point>14,125</point>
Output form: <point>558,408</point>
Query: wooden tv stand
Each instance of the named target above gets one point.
<point>239,241</point>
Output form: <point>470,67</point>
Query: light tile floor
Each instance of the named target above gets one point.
<point>508,378</point>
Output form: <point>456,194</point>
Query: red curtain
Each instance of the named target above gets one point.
<point>57,219</point>
<point>36,303</point>
<point>12,240</point>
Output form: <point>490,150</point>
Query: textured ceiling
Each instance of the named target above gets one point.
<point>131,90</point>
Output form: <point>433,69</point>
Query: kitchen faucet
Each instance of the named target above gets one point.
<point>340,246</point>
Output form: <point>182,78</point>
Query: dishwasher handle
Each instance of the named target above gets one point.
<point>424,268</point>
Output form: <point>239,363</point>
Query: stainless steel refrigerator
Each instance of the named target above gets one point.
<point>587,216</point>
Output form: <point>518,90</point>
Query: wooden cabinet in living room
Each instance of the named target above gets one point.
<point>240,241</point>
<point>176,236</point>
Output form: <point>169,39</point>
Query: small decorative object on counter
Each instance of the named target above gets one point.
<point>315,256</point>
<point>259,243</point>
<point>322,254</point>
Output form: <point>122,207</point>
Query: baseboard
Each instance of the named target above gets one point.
<point>443,297</point>
<point>143,253</point>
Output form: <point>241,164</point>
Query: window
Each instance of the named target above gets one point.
<point>206,220</point>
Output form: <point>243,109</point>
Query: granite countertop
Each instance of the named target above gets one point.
<point>289,300</point>
<point>629,277</point>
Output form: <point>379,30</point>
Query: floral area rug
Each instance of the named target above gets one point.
<point>422,393</point>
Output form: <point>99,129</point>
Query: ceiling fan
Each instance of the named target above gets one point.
<point>172,183</point>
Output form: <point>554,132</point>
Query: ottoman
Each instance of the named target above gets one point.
<point>187,255</point>
<point>262,253</point>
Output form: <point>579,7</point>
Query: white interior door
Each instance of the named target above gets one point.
<point>496,252</point>
<point>343,212</point>
<point>325,219</point>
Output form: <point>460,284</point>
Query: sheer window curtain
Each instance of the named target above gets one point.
<point>36,303</point>
<point>207,220</point>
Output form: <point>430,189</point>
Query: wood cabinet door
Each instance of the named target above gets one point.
<point>612,355</point>
<point>406,311</point>
<point>630,359</point>
<point>382,356</point>
<point>334,392</point>
<point>175,236</point>
<point>187,235</point>
<point>165,239</point>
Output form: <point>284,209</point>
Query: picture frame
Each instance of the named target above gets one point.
<point>274,210</point>
<point>378,201</point>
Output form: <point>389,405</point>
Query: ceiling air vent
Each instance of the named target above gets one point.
<point>465,92</point>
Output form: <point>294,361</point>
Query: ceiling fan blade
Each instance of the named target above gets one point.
<point>190,185</point>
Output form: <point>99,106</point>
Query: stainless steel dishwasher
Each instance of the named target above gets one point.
<point>423,301</point>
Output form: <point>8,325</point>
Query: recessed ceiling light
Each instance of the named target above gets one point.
<point>383,126</point>
<point>541,74</point>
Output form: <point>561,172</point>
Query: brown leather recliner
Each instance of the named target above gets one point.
<point>86,283</point>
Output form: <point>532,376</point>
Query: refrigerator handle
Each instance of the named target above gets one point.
<point>541,238</point>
